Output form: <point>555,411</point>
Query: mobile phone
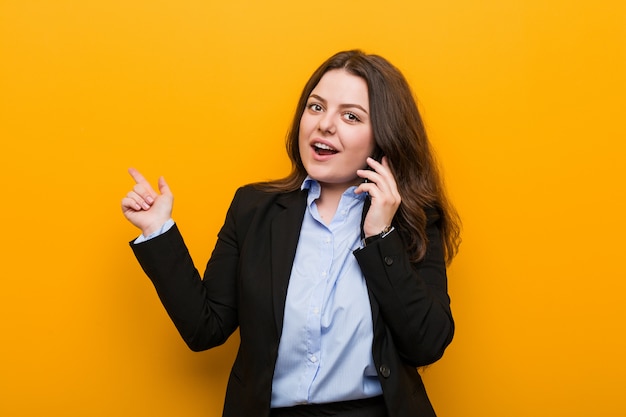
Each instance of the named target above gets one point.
<point>378,156</point>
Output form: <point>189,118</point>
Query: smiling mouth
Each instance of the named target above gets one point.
<point>323,149</point>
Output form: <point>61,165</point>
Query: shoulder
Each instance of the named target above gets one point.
<point>252,192</point>
<point>254,198</point>
<point>258,194</point>
<point>433,216</point>
<point>253,210</point>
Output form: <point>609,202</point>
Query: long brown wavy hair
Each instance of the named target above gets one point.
<point>399,134</point>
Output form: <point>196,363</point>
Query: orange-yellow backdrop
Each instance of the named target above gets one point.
<point>524,102</point>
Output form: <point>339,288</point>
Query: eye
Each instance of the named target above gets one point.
<point>316,107</point>
<point>351,117</point>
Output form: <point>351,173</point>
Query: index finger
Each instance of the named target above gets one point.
<point>139,179</point>
<point>381,167</point>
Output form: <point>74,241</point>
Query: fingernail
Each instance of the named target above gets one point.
<point>146,206</point>
<point>150,200</point>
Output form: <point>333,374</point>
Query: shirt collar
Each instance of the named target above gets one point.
<point>315,190</point>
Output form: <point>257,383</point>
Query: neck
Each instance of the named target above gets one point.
<point>328,201</point>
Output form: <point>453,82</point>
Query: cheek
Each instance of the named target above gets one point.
<point>304,130</point>
<point>364,142</point>
<point>302,134</point>
<point>306,124</point>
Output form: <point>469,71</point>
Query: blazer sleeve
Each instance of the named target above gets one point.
<point>412,297</point>
<point>203,310</point>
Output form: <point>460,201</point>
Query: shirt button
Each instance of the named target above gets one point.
<point>313,358</point>
<point>388,260</point>
<point>384,371</point>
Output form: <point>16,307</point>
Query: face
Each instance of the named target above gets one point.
<point>335,130</point>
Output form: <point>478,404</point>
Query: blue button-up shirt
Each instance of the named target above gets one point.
<point>325,352</point>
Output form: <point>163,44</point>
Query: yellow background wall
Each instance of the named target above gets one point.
<point>524,102</point>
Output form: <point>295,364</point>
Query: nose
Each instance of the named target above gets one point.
<point>326,123</point>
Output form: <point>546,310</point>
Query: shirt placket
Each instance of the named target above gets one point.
<point>316,306</point>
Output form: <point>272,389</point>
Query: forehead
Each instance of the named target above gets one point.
<point>341,87</point>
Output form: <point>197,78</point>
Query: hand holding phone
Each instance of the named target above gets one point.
<point>382,188</point>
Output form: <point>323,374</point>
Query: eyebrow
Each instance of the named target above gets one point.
<point>343,106</point>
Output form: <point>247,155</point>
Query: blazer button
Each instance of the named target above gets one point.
<point>384,371</point>
<point>388,260</point>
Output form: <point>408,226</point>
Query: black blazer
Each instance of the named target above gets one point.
<point>245,286</point>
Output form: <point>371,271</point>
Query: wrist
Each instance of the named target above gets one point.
<point>371,239</point>
<point>156,228</point>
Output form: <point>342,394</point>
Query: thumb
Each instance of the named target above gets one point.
<point>164,189</point>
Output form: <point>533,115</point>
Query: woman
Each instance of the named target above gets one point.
<point>334,275</point>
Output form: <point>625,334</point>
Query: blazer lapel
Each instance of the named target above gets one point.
<point>285,232</point>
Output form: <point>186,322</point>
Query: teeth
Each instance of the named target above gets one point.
<point>323,146</point>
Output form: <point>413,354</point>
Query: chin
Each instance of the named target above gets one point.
<point>347,182</point>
